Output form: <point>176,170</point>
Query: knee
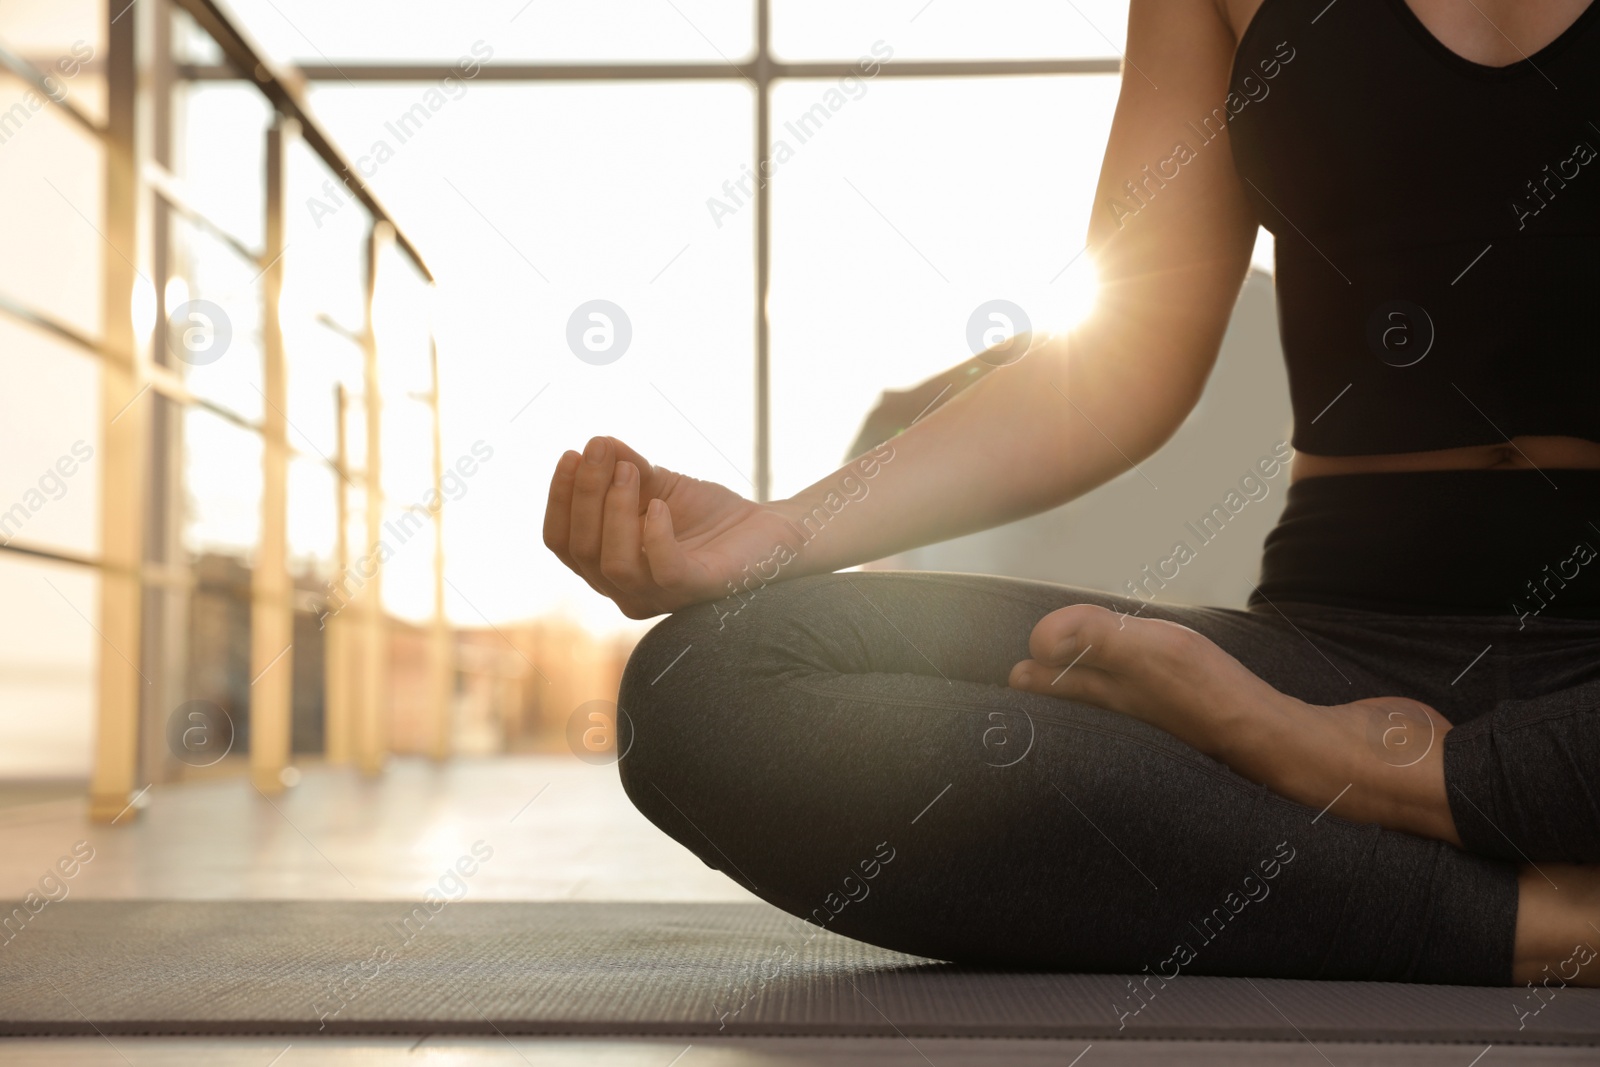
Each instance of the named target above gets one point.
<point>667,672</point>
<point>659,652</point>
<point>690,686</point>
<point>661,708</point>
<point>738,636</point>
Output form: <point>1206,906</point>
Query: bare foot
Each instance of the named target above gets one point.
<point>1161,672</point>
<point>1378,759</point>
<point>1558,930</point>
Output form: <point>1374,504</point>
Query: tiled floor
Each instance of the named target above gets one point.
<point>762,1052</point>
<point>560,829</point>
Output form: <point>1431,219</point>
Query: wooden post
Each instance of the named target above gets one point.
<point>373,693</point>
<point>272,595</point>
<point>338,676</point>
<point>441,660</point>
<point>124,432</point>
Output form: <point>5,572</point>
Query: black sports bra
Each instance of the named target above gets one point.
<point>1437,225</point>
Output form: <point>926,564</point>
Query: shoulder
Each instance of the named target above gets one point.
<point>1236,14</point>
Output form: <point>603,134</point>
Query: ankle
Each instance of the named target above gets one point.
<point>1558,926</point>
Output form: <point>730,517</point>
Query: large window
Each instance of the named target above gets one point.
<point>718,229</point>
<point>195,229</point>
<point>605,153</point>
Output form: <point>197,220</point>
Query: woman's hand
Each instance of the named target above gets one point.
<point>650,539</point>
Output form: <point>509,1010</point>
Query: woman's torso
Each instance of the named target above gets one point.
<point>1372,151</point>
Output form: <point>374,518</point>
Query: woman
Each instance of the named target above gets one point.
<point>1382,769</point>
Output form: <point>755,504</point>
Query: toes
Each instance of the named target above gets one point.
<point>1101,644</point>
<point>1111,640</point>
<point>1026,675</point>
<point>1073,682</point>
<point>1066,632</point>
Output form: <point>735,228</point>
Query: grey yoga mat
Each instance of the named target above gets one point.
<point>390,967</point>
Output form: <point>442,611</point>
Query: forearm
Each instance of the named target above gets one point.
<point>993,453</point>
<point>1076,411</point>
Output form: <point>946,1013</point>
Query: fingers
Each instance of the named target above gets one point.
<point>558,508</point>
<point>669,565</point>
<point>654,481</point>
<point>573,515</point>
<point>621,561</point>
<point>625,454</point>
<point>591,484</point>
<point>593,523</point>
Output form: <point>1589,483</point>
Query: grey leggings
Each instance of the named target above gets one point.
<point>845,747</point>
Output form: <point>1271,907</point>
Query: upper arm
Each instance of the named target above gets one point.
<point>1175,76</point>
<point>1171,230</point>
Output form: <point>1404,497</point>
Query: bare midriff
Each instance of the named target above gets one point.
<point>1519,453</point>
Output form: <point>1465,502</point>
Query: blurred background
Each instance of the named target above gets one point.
<point>300,302</point>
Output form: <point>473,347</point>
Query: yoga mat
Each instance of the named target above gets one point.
<point>683,970</point>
